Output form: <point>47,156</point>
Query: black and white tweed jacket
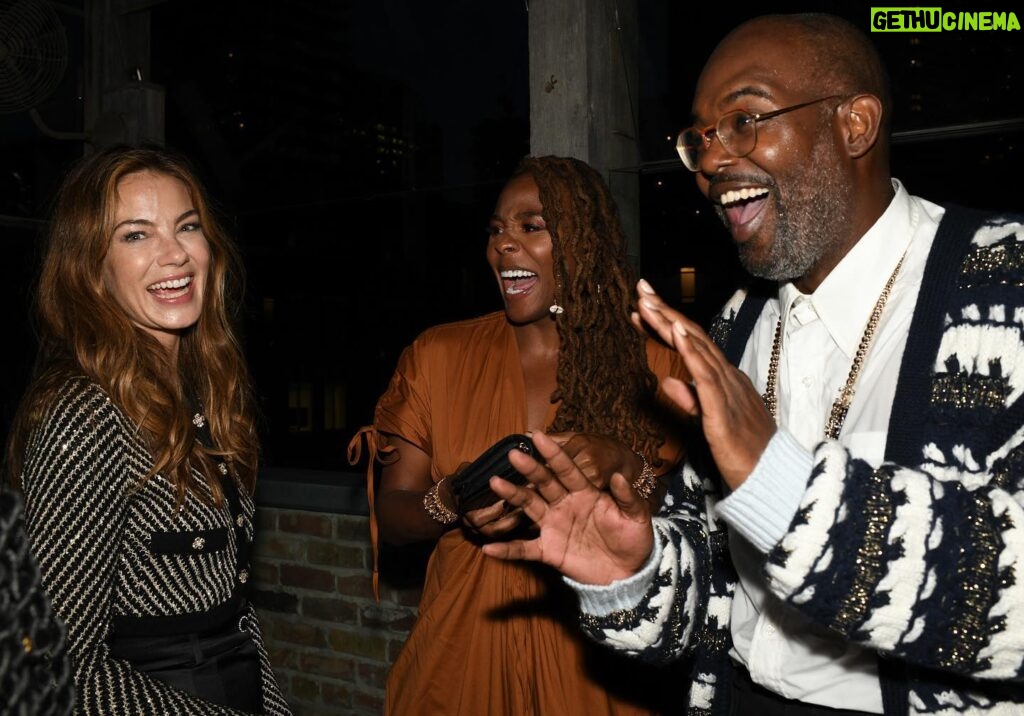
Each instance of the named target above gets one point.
<point>921,560</point>
<point>116,554</point>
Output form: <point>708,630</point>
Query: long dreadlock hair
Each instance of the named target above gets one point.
<point>604,384</point>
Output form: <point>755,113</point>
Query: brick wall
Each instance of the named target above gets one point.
<point>330,642</point>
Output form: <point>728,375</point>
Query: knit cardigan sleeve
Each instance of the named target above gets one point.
<point>682,551</point>
<point>76,494</point>
<point>919,563</point>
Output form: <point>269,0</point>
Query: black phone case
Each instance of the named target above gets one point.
<point>471,487</point>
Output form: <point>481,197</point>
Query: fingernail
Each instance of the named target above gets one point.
<point>644,287</point>
<point>679,328</point>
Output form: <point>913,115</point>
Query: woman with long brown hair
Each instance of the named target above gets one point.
<point>135,445</point>
<point>499,637</point>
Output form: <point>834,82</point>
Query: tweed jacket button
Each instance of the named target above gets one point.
<point>198,543</point>
<point>243,576</point>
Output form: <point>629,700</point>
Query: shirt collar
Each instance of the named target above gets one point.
<point>845,299</point>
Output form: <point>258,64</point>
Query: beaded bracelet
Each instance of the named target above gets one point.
<point>647,481</point>
<point>435,508</point>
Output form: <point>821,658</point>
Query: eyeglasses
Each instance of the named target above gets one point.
<point>737,131</point>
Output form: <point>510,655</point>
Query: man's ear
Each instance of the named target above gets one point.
<point>861,120</point>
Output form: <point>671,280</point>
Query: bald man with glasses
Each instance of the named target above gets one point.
<point>848,536</point>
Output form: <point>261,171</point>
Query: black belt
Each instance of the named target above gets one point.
<point>222,667</point>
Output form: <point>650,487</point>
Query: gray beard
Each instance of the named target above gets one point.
<point>806,221</point>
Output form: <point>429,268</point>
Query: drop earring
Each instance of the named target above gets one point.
<point>555,309</point>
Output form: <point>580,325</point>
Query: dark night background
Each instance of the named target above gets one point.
<point>356,150</point>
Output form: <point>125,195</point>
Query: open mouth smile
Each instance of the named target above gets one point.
<point>741,206</point>
<point>517,281</point>
<point>171,288</point>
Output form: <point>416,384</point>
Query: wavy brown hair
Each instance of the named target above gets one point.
<point>604,383</point>
<point>83,330</point>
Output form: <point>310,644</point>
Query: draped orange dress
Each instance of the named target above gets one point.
<point>492,637</point>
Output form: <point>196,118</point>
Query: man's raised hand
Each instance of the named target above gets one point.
<point>592,536</point>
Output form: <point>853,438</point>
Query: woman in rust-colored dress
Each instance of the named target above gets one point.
<point>500,637</point>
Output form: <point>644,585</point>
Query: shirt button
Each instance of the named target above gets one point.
<point>807,381</point>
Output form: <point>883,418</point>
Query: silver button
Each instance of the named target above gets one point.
<point>198,543</point>
<point>243,576</point>
<point>240,520</point>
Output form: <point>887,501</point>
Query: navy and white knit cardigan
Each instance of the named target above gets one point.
<point>920,560</point>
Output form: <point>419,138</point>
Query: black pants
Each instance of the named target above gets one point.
<point>750,699</point>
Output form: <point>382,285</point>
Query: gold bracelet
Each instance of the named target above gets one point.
<point>435,508</point>
<point>647,481</point>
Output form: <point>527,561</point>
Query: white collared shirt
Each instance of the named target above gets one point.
<point>822,331</point>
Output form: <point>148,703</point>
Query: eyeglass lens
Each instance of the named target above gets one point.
<point>737,131</point>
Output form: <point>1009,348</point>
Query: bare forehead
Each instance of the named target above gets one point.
<point>152,180</point>
<point>520,196</point>
<point>773,61</point>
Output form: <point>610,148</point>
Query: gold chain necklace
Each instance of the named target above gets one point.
<point>837,417</point>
